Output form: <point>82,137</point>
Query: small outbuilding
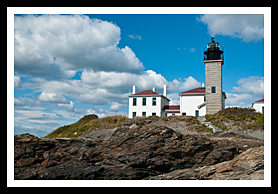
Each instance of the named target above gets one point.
<point>258,105</point>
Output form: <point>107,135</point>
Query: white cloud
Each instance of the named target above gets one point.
<point>68,107</point>
<point>123,81</point>
<point>249,90</point>
<point>17,82</point>
<point>115,106</point>
<point>56,46</point>
<point>51,97</point>
<point>19,102</point>
<point>175,98</point>
<point>254,85</point>
<point>135,36</point>
<point>192,50</point>
<point>248,27</point>
<point>238,100</point>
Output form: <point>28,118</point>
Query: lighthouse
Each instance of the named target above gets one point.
<point>214,59</point>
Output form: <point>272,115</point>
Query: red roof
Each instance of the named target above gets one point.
<point>200,90</point>
<point>261,100</point>
<point>173,111</point>
<point>146,92</point>
<point>171,107</point>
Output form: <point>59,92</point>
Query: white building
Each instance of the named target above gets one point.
<point>259,105</point>
<point>193,102</point>
<point>172,110</point>
<point>147,103</point>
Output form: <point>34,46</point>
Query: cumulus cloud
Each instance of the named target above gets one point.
<point>249,90</point>
<point>146,80</point>
<point>56,46</point>
<point>238,100</point>
<point>248,27</point>
<point>115,106</point>
<point>254,85</point>
<point>19,102</point>
<point>68,107</point>
<point>51,97</point>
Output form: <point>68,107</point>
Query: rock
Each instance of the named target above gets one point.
<point>137,153</point>
<point>247,166</point>
<point>98,135</point>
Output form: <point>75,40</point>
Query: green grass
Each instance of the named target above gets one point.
<point>87,124</point>
<point>241,118</point>
<point>238,118</point>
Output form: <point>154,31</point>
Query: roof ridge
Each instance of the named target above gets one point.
<point>199,90</point>
<point>147,92</point>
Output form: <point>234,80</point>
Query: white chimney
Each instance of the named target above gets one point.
<point>153,89</point>
<point>165,91</point>
<point>203,85</point>
<point>134,89</point>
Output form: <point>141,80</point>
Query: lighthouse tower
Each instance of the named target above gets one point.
<point>213,59</point>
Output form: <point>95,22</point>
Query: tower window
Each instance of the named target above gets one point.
<point>133,114</point>
<point>213,90</point>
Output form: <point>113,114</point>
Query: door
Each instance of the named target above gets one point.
<point>196,113</point>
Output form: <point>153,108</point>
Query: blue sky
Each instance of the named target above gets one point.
<point>67,66</point>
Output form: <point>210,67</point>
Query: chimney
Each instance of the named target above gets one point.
<point>134,89</point>
<point>203,85</point>
<point>153,89</point>
<point>165,91</point>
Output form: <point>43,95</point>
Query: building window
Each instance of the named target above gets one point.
<point>134,101</point>
<point>144,102</point>
<point>173,114</point>
<point>143,113</point>
<point>263,109</point>
<point>184,114</point>
<point>154,101</point>
<point>205,98</point>
<point>213,89</point>
<point>153,114</point>
<point>196,113</point>
<point>133,114</point>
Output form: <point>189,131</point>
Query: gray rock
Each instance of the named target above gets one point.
<point>247,166</point>
<point>101,134</point>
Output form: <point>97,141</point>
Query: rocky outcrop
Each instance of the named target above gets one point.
<point>129,153</point>
<point>247,166</point>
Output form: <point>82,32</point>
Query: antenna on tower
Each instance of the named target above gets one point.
<point>213,38</point>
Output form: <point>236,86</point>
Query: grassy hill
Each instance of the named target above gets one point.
<point>230,118</point>
<point>87,124</point>
<point>237,119</point>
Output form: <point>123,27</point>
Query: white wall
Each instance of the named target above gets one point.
<point>149,108</point>
<point>171,114</point>
<point>189,103</point>
<point>258,106</point>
